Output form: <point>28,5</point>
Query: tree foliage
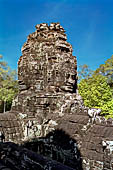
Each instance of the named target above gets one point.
<point>8,85</point>
<point>84,72</point>
<point>3,66</point>
<point>107,70</point>
<point>96,89</point>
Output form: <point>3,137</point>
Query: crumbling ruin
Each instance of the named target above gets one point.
<point>48,104</point>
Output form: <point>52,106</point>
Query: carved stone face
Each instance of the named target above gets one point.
<point>47,64</point>
<point>68,76</point>
<point>61,76</point>
<point>69,84</point>
<point>50,75</point>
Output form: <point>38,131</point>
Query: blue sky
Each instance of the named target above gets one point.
<point>88,25</point>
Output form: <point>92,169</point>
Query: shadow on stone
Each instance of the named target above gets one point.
<point>14,157</point>
<point>58,146</point>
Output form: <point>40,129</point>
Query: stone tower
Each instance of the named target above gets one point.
<point>47,73</point>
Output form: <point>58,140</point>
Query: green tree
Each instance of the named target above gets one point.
<point>107,109</point>
<point>8,85</point>
<point>3,70</point>
<point>106,70</point>
<point>96,87</point>
<point>2,63</point>
<point>84,72</point>
<point>96,92</point>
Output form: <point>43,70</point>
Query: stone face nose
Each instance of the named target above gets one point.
<point>71,80</point>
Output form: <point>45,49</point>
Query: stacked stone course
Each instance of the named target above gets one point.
<point>11,127</point>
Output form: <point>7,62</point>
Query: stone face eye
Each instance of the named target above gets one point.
<point>67,76</point>
<point>73,77</point>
